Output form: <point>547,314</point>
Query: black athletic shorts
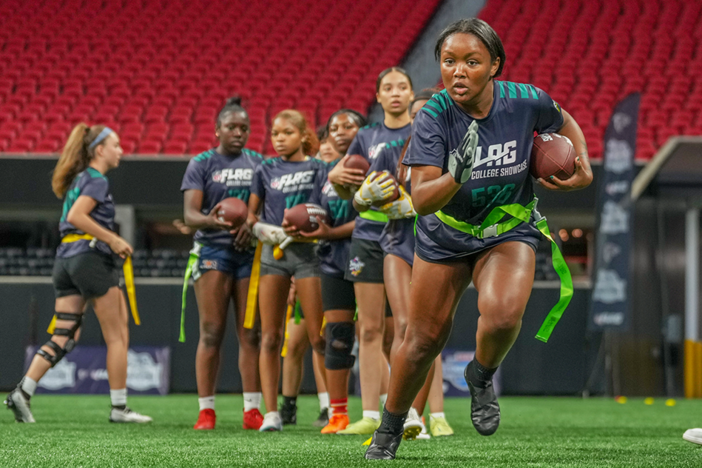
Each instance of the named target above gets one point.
<point>337,293</point>
<point>89,275</point>
<point>365,262</point>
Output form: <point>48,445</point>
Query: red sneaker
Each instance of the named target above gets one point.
<point>253,419</point>
<point>206,420</point>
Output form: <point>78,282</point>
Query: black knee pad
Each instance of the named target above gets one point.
<point>340,337</point>
<point>69,332</point>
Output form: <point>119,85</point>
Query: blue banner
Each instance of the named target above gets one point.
<point>611,288</point>
<point>83,371</point>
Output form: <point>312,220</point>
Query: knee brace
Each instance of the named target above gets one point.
<point>69,332</point>
<point>340,337</point>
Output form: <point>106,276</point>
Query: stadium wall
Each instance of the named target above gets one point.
<point>560,367</point>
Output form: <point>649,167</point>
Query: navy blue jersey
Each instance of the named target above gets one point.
<point>397,237</point>
<point>282,184</point>
<point>90,183</point>
<point>218,177</point>
<point>334,254</point>
<point>501,166</point>
<point>370,142</point>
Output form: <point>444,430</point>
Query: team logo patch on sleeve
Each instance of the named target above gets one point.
<point>356,266</point>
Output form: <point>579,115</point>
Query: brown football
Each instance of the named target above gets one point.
<point>552,155</point>
<point>304,216</point>
<point>232,210</point>
<point>393,196</point>
<point>356,161</point>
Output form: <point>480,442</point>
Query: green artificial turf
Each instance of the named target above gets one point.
<point>72,431</point>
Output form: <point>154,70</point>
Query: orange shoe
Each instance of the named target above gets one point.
<point>338,422</point>
<point>206,420</point>
<point>253,419</point>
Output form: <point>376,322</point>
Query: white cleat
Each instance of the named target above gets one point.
<point>413,425</point>
<point>271,422</point>
<point>19,404</point>
<point>128,416</point>
<point>424,435</point>
<point>693,435</point>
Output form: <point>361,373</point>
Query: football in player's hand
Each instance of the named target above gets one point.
<point>552,155</point>
<point>393,196</point>
<point>356,161</point>
<point>233,211</point>
<point>304,216</point>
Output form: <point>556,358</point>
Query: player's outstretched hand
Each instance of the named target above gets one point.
<point>461,161</point>
<point>580,179</point>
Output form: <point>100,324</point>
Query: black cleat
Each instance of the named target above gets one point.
<point>323,418</point>
<point>288,414</point>
<point>484,409</point>
<point>383,446</point>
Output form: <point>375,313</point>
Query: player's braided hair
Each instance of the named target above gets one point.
<point>75,157</point>
<point>233,104</point>
<point>479,29</point>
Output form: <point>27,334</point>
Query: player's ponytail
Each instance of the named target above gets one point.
<point>310,142</point>
<point>233,104</point>
<point>75,157</point>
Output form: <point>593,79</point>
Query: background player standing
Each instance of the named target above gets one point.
<point>365,268</point>
<point>281,183</point>
<point>222,271</point>
<point>83,273</point>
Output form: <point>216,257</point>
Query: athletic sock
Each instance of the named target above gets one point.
<point>479,375</point>
<point>28,386</point>
<point>437,415</point>
<point>383,399</point>
<point>371,414</point>
<point>289,401</point>
<point>323,400</point>
<point>118,398</point>
<point>206,403</point>
<point>252,400</point>
<point>392,423</point>
<point>339,406</point>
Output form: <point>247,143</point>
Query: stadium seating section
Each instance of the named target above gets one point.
<point>588,54</point>
<point>157,71</point>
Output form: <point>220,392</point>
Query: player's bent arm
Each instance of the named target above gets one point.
<point>192,212</point>
<point>582,177</point>
<point>79,216</point>
<point>431,190</point>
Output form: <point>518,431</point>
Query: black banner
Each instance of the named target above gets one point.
<point>611,287</point>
